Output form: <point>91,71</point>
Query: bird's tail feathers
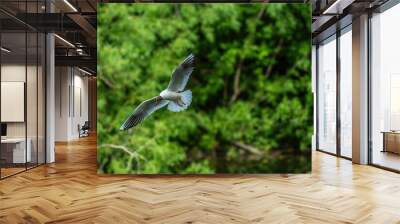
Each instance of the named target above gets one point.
<point>172,106</point>
<point>187,100</point>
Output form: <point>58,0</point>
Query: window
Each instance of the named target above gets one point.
<point>327,95</point>
<point>385,88</point>
<point>346,92</point>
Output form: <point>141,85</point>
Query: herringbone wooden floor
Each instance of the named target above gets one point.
<point>70,191</point>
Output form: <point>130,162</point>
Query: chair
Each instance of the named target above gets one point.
<point>84,130</point>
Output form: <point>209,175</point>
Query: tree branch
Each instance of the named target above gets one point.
<point>121,147</point>
<point>225,93</point>
<point>248,148</point>
<point>177,11</point>
<point>236,82</point>
<point>132,155</point>
<point>274,55</point>
<point>262,10</point>
<point>106,81</point>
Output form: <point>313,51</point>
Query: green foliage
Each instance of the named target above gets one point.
<point>252,101</point>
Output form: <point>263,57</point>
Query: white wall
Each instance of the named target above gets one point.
<point>80,100</point>
<point>12,73</point>
<point>71,94</point>
<point>61,103</point>
<point>33,126</point>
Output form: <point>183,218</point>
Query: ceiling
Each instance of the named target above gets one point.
<point>329,15</point>
<point>73,22</point>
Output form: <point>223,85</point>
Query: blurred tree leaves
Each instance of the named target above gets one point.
<point>252,106</point>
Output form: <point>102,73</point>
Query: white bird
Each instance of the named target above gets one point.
<point>174,96</point>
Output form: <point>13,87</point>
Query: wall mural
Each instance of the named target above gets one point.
<point>204,88</point>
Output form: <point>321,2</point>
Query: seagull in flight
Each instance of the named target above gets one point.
<point>174,96</point>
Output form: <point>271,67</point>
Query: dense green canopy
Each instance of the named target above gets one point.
<point>252,102</point>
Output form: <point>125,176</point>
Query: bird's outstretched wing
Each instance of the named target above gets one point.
<point>181,74</point>
<point>143,110</point>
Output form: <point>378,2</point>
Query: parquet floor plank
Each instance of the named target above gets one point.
<point>70,191</point>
